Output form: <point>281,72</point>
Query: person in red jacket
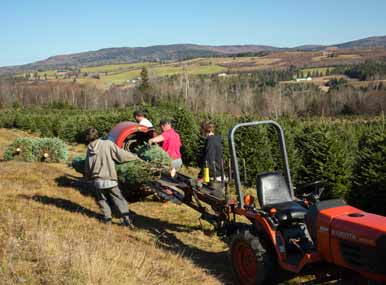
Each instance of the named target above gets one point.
<point>171,143</point>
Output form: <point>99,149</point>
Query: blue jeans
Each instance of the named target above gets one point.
<point>177,163</point>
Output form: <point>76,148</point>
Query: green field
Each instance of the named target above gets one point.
<point>123,73</point>
<point>161,70</point>
<point>115,67</point>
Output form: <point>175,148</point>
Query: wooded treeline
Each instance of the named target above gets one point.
<point>265,93</point>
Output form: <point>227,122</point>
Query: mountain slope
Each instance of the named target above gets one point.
<point>170,52</point>
<point>137,54</point>
<point>371,42</point>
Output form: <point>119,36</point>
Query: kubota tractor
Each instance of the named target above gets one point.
<point>289,232</point>
<point>284,232</point>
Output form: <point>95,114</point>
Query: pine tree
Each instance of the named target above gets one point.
<point>145,84</point>
<point>145,89</point>
<point>186,125</point>
<point>253,144</point>
<point>368,190</point>
<point>326,156</point>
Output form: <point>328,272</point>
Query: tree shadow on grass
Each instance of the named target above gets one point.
<point>63,204</point>
<point>86,189</point>
<point>215,263</point>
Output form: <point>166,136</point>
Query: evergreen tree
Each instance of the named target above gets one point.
<point>187,126</point>
<point>326,156</point>
<point>145,87</point>
<point>37,149</point>
<point>254,145</point>
<point>145,83</point>
<point>368,190</point>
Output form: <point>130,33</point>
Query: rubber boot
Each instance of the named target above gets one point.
<point>127,222</point>
<point>106,221</point>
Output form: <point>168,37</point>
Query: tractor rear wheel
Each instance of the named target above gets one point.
<point>252,260</point>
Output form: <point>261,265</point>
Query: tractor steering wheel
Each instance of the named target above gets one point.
<point>311,191</point>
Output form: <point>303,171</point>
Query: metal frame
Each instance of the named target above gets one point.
<point>234,158</point>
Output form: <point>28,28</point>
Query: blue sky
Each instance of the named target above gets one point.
<point>36,29</point>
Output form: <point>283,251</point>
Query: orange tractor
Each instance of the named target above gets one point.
<point>284,232</point>
<point>290,233</point>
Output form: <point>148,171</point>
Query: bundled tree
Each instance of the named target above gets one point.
<point>134,174</point>
<point>22,149</point>
<point>51,150</point>
<point>37,149</point>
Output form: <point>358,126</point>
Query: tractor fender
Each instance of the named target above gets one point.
<point>232,228</point>
<point>121,131</point>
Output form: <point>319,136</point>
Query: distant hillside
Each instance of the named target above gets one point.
<point>310,47</point>
<point>170,52</point>
<point>137,54</point>
<point>371,42</point>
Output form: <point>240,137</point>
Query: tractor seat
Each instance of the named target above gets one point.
<point>273,192</point>
<point>288,211</point>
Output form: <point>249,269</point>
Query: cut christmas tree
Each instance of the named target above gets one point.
<point>133,175</point>
<point>51,150</point>
<point>22,149</point>
<point>37,149</point>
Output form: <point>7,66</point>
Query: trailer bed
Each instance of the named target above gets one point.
<point>184,190</point>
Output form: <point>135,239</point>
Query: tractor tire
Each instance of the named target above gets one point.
<point>252,260</point>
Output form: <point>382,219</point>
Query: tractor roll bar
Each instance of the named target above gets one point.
<point>283,150</point>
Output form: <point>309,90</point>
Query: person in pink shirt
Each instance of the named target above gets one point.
<point>171,143</point>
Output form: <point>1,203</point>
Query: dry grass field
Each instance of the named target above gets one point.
<point>50,234</point>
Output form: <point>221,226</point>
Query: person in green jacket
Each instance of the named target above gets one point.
<point>100,169</point>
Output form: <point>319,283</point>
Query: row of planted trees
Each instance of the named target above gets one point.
<point>349,153</point>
